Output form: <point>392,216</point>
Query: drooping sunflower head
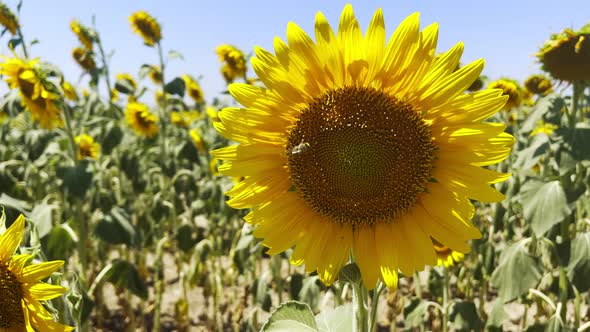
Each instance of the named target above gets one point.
<point>84,57</point>
<point>155,74</point>
<point>22,289</point>
<point>234,62</point>
<point>193,89</point>
<point>141,120</point>
<point>69,91</point>
<point>566,55</point>
<point>39,95</point>
<point>85,34</point>
<point>126,83</point>
<point>87,147</point>
<point>8,20</point>
<point>360,145</point>
<point>539,85</point>
<point>146,26</point>
<point>446,256</point>
<point>197,140</point>
<point>509,88</point>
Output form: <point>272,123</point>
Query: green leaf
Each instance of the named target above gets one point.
<point>547,109</point>
<point>41,216</point>
<point>262,294</point>
<point>115,228</point>
<point>76,179</point>
<point>350,273</point>
<point>465,317</point>
<point>576,141</point>
<point>291,316</point>
<point>14,42</point>
<point>517,271</point>
<point>544,205</point>
<point>310,292</point>
<point>295,285</point>
<point>338,319</point>
<point>186,237</point>
<point>60,242</point>
<point>17,204</point>
<point>528,157</point>
<point>414,312</point>
<point>578,269</point>
<point>497,316</point>
<point>175,87</point>
<point>125,275</point>
<point>172,54</point>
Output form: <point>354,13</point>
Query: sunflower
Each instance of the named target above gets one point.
<point>212,113</point>
<point>234,62</point>
<point>146,26</point>
<point>193,89</point>
<point>539,85</point>
<point>155,74</point>
<point>87,147</point>
<point>69,91</point>
<point>543,128</point>
<point>360,148</point>
<point>566,55</point>
<point>83,33</point>
<point>511,89</point>
<point>143,122</point>
<point>84,58</point>
<point>198,140</point>
<point>446,256</point>
<point>184,119</point>
<point>8,19</point>
<point>127,82</point>
<point>38,95</point>
<point>22,289</point>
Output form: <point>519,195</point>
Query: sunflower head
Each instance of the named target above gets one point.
<point>364,147</point>
<point>127,83</point>
<point>146,26</point>
<point>22,289</point>
<point>198,140</point>
<point>193,89</point>
<point>141,120</point>
<point>8,20</point>
<point>184,119</point>
<point>39,95</point>
<point>511,89</point>
<point>566,55</point>
<point>85,58</point>
<point>84,34</point>
<point>234,62</point>
<point>69,91</point>
<point>87,147</point>
<point>446,256</point>
<point>539,85</point>
<point>155,74</point>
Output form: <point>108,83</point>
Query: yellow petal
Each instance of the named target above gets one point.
<point>10,240</point>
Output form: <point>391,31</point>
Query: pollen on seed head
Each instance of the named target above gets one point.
<point>357,155</point>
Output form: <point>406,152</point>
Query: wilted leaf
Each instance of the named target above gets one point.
<point>291,316</point>
<point>175,87</point>
<point>544,205</point>
<point>465,317</point>
<point>415,312</point>
<point>59,243</point>
<point>76,179</point>
<point>517,272</point>
<point>41,216</point>
<point>578,269</point>
<point>17,204</point>
<point>125,275</point>
<point>547,109</point>
<point>115,228</point>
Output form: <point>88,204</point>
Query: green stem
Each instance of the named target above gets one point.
<point>359,300</point>
<point>106,70</point>
<point>159,282</point>
<point>374,305</point>
<point>70,133</point>
<point>445,318</point>
<point>164,105</point>
<point>22,42</point>
<point>578,89</point>
<point>418,285</point>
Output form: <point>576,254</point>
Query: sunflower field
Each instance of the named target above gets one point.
<point>360,180</point>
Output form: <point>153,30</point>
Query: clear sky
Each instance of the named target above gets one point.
<point>505,33</point>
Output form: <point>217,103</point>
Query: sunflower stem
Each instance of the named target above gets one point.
<point>578,90</point>
<point>418,285</point>
<point>22,42</point>
<point>159,281</point>
<point>359,300</point>
<point>105,65</point>
<point>374,305</point>
<point>164,105</point>
<point>445,318</point>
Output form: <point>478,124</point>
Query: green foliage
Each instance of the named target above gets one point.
<point>291,316</point>
<point>579,263</point>
<point>544,204</point>
<point>125,275</point>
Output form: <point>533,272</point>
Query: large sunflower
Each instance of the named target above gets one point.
<point>38,95</point>
<point>22,289</point>
<point>146,26</point>
<point>87,147</point>
<point>143,122</point>
<point>361,146</point>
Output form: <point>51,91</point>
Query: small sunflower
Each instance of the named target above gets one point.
<point>198,140</point>
<point>8,19</point>
<point>446,256</point>
<point>85,36</point>
<point>38,94</point>
<point>84,58</point>
<point>155,74</point>
<point>511,89</point>
<point>69,91</point>
<point>87,147</point>
<point>234,62</point>
<point>543,128</point>
<point>127,82</point>
<point>184,119</point>
<point>193,89</point>
<point>22,289</point>
<point>566,55</point>
<point>539,85</point>
<point>360,146</point>
<point>143,122</point>
<point>146,26</point>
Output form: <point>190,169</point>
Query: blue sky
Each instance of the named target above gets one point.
<point>505,33</point>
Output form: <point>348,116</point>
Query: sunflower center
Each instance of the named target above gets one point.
<point>11,310</point>
<point>143,119</point>
<point>357,155</point>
